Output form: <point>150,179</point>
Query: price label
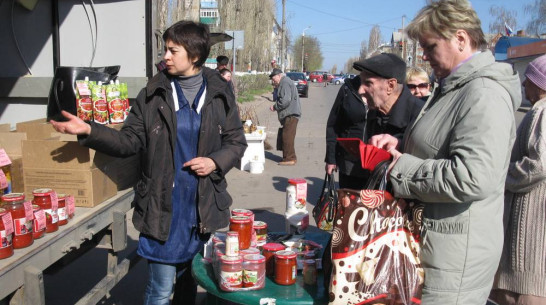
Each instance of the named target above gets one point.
<point>28,210</point>
<point>54,201</point>
<point>71,207</point>
<point>4,159</point>
<point>8,223</point>
<point>3,180</point>
<point>39,220</point>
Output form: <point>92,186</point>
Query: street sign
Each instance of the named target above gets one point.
<point>238,39</point>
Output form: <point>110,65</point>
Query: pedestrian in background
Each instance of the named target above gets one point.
<point>325,79</point>
<point>418,82</point>
<point>456,154</point>
<point>186,125</point>
<point>226,74</point>
<point>221,62</point>
<point>287,105</point>
<point>521,278</point>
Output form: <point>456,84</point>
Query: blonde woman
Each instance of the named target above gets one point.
<point>418,82</point>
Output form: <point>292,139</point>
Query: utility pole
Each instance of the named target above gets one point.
<point>403,40</point>
<point>283,38</point>
<point>303,46</point>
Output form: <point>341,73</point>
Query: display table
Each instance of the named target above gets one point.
<point>255,150</point>
<point>297,294</point>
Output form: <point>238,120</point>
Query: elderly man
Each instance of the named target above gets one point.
<point>221,62</point>
<point>392,106</point>
<point>287,105</point>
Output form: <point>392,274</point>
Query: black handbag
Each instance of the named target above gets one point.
<point>324,211</point>
<point>279,139</point>
<point>62,94</point>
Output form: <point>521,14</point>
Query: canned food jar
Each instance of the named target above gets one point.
<point>249,214</point>
<point>6,234</point>
<point>309,272</point>
<point>242,225</point>
<point>22,220</point>
<point>268,251</point>
<point>260,228</point>
<point>42,197</point>
<point>285,267</point>
<point>254,271</point>
<point>250,250</point>
<point>231,272</point>
<point>62,210</point>
<point>232,243</point>
<point>38,230</point>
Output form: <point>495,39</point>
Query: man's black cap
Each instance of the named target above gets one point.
<point>275,72</point>
<point>385,65</point>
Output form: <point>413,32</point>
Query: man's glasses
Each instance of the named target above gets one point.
<point>420,86</point>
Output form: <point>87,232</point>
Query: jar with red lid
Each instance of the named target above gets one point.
<point>254,271</point>
<point>250,250</point>
<point>231,273</point>
<point>6,234</point>
<point>21,214</point>
<point>249,214</point>
<point>268,251</point>
<point>62,210</point>
<point>42,197</point>
<point>260,228</point>
<point>38,230</point>
<point>285,267</point>
<point>242,225</point>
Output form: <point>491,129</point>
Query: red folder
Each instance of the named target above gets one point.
<point>369,155</point>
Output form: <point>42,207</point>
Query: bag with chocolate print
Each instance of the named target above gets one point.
<point>375,247</point>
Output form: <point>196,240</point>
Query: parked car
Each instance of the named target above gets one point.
<point>300,81</point>
<point>338,79</point>
<point>316,76</point>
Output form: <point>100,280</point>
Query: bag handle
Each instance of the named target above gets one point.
<point>332,196</point>
<point>378,179</point>
<point>56,94</point>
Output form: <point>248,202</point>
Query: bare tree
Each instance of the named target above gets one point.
<point>349,65</point>
<point>363,49</point>
<point>501,17</point>
<point>375,38</point>
<point>537,25</point>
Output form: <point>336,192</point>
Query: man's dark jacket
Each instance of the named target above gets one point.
<point>151,129</point>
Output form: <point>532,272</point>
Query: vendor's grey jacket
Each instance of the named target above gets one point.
<point>455,160</point>
<point>151,130</point>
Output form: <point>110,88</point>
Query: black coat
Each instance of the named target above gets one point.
<point>151,129</point>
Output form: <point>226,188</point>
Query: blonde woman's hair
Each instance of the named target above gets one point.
<point>416,72</point>
<point>444,18</point>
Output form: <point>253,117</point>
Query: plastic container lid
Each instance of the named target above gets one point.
<point>240,219</point>
<point>254,258</point>
<point>231,259</point>
<point>42,192</point>
<point>285,254</point>
<point>260,225</point>
<point>13,197</point>
<point>242,212</point>
<point>297,181</point>
<point>273,247</point>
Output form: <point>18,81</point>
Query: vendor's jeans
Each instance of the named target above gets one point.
<point>161,278</point>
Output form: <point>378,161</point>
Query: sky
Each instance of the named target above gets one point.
<point>341,25</point>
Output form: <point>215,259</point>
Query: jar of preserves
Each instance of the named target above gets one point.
<point>260,228</point>
<point>21,214</point>
<point>232,243</point>
<point>242,225</point>
<point>62,210</point>
<point>254,271</point>
<point>268,251</point>
<point>6,234</point>
<point>285,267</point>
<point>42,197</point>
<point>309,272</point>
<point>231,273</point>
<point>38,230</point>
<point>250,250</point>
<point>249,214</point>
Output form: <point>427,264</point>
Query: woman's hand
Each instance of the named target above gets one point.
<point>330,168</point>
<point>385,141</point>
<point>74,125</point>
<point>395,156</point>
<point>202,166</point>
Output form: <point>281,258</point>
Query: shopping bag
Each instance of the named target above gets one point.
<point>324,211</point>
<point>375,247</point>
<point>279,139</point>
<point>62,94</point>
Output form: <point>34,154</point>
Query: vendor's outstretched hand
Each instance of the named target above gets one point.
<point>74,125</point>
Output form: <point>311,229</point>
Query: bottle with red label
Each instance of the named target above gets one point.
<point>39,222</point>
<point>21,214</point>
<point>46,198</point>
<point>6,234</point>
<point>62,209</point>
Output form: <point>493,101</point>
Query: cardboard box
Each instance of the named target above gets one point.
<point>36,129</point>
<point>5,127</point>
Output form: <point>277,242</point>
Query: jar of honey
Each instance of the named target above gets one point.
<point>6,234</point>
<point>242,225</point>
<point>39,222</point>
<point>254,271</point>
<point>42,197</point>
<point>231,273</point>
<point>21,214</point>
<point>285,267</point>
<point>62,209</point>
<point>268,251</point>
<point>260,229</point>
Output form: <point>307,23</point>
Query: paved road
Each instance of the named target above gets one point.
<point>263,193</point>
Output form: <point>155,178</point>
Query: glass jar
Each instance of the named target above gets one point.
<point>21,214</point>
<point>250,250</point>
<point>249,214</point>
<point>260,228</point>
<point>42,197</point>
<point>254,271</point>
<point>243,225</point>
<point>231,273</point>
<point>285,267</point>
<point>232,243</point>
<point>62,209</point>
<point>6,234</point>
<point>309,272</point>
<point>39,222</point>
<point>268,251</point>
